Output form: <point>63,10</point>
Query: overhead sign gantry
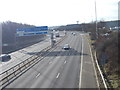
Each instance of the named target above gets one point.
<point>27,31</point>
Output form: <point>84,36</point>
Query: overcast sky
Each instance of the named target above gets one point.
<point>57,12</point>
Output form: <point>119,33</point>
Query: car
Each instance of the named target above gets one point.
<point>74,34</point>
<point>5,57</point>
<point>66,47</point>
<point>57,34</point>
<point>54,41</point>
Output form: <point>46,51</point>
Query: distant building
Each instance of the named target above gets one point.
<point>113,25</point>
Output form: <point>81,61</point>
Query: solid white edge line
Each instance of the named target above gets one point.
<point>98,69</point>
<point>58,75</point>
<point>93,65</point>
<point>81,64</point>
<point>100,72</point>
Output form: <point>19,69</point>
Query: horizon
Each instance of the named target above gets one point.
<point>62,25</point>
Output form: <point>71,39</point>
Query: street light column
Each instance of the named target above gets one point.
<point>96,21</point>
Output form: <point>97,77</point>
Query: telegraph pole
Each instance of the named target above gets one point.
<point>1,38</point>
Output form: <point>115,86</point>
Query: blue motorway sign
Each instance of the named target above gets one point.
<point>32,31</point>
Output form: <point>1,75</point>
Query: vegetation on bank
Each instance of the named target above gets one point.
<point>107,48</point>
<point>107,53</point>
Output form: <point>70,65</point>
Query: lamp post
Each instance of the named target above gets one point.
<point>1,38</point>
<point>96,21</point>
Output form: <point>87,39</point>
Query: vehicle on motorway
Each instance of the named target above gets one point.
<point>66,47</point>
<point>57,34</point>
<point>5,57</point>
<point>74,34</point>
<point>54,41</point>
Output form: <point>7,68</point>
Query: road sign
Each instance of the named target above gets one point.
<point>5,44</point>
<point>32,31</point>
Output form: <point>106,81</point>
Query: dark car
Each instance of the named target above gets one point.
<point>5,57</point>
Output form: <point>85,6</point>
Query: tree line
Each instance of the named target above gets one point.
<point>10,42</point>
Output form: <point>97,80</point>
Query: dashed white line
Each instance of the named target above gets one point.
<point>58,75</point>
<point>50,62</point>
<point>65,62</point>
<point>37,75</point>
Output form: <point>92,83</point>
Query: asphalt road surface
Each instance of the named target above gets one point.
<point>25,53</point>
<point>62,68</point>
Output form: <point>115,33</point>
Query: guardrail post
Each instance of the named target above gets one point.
<point>28,62</point>
<point>14,71</point>
<point>24,64</point>
<point>20,68</point>
<point>7,77</point>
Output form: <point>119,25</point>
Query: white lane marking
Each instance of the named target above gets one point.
<point>81,64</point>
<point>93,65</point>
<point>98,68</point>
<point>65,62</point>
<point>58,75</point>
<point>50,62</point>
<point>37,75</point>
<point>81,34</point>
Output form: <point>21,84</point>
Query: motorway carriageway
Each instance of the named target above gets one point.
<point>25,53</point>
<point>62,68</point>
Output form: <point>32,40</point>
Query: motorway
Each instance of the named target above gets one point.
<point>25,53</point>
<point>60,68</point>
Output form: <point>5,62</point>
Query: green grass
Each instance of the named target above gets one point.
<point>115,83</point>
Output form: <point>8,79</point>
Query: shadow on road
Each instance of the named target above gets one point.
<point>70,52</point>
